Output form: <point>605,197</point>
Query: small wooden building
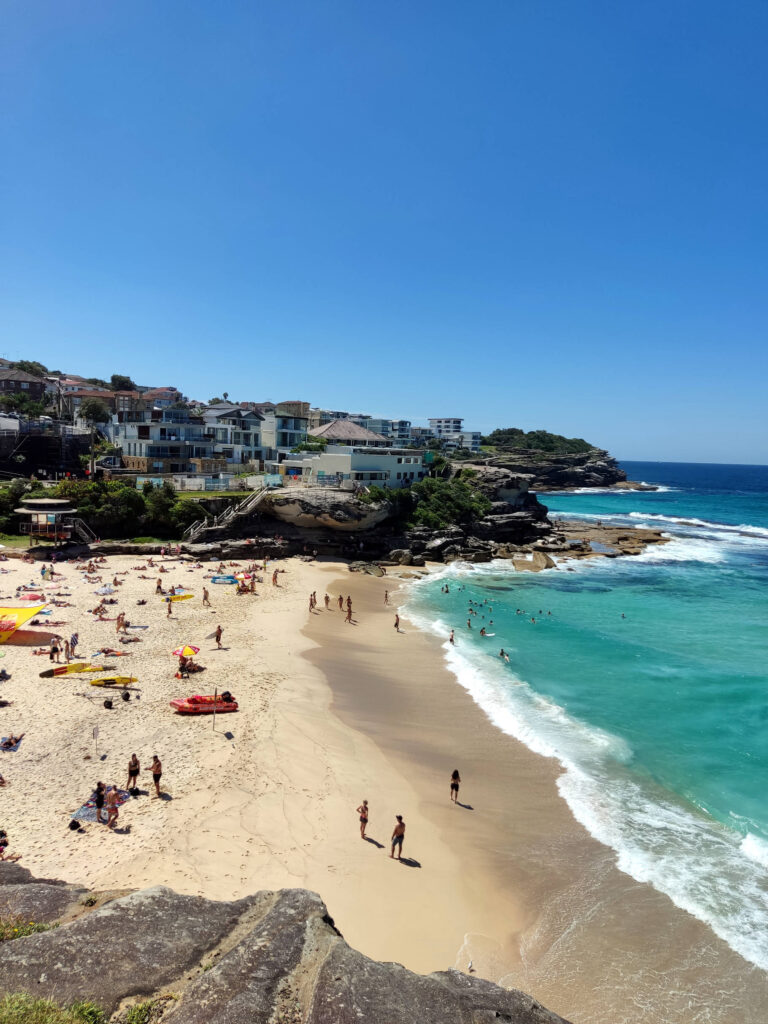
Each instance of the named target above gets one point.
<point>49,519</point>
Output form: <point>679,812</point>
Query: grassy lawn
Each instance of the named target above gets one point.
<point>12,540</point>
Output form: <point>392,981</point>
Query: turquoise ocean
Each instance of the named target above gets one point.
<point>646,678</point>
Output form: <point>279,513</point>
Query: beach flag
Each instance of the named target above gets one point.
<point>12,618</point>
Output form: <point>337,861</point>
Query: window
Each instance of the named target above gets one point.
<point>25,385</point>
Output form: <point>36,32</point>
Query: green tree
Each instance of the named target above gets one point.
<point>513,438</point>
<point>30,366</point>
<point>93,410</point>
<point>97,382</point>
<point>120,382</point>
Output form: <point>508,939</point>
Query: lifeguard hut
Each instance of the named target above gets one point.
<point>52,520</point>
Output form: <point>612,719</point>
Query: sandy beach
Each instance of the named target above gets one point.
<point>331,713</point>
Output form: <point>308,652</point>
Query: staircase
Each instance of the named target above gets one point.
<point>83,531</point>
<point>232,512</point>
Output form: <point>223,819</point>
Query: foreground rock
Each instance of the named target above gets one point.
<point>274,956</point>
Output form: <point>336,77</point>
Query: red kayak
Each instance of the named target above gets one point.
<point>203,705</point>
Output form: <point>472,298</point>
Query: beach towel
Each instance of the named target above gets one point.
<point>88,811</point>
<point>9,750</point>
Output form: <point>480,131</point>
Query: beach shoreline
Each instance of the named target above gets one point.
<point>331,713</point>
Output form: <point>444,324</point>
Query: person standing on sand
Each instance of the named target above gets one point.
<point>274,578</point>
<point>133,773</point>
<point>67,651</point>
<point>74,640</point>
<point>206,598</point>
<point>112,808</point>
<point>170,606</point>
<point>386,597</point>
<point>99,801</point>
<point>341,603</point>
<point>327,600</point>
<point>157,772</point>
<point>217,636</point>
<point>397,622</point>
<point>397,836</point>
<point>362,810</point>
<point>349,614</point>
<point>455,780</point>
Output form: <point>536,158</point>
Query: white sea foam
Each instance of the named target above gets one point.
<point>756,849</point>
<point>705,868</point>
<point>743,530</point>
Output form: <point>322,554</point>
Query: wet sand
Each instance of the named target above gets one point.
<point>589,941</point>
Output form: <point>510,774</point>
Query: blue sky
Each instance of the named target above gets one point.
<point>545,214</point>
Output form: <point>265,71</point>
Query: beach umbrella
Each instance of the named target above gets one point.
<point>186,651</point>
<point>242,576</point>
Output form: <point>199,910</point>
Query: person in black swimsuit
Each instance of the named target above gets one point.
<point>362,810</point>
<point>455,780</point>
<point>99,801</point>
<point>397,836</point>
<point>133,773</point>
<point>157,772</point>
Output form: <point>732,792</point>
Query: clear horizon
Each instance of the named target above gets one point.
<point>546,217</point>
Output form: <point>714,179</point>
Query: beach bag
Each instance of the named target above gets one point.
<point>108,704</point>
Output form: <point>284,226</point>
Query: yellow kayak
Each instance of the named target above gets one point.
<point>114,681</point>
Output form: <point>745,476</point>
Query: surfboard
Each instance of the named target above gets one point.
<point>179,597</point>
<point>114,681</point>
<point>75,666</point>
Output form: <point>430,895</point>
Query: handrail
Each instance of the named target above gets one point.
<point>230,512</point>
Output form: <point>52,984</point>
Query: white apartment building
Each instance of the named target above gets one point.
<point>350,467</point>
<point>284,426</point>
<point>235,433</point>
<point>443,425</point>
<point>464,439</point>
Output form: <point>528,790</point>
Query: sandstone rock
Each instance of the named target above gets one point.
<point>335,510</point>
<point>401,556</point>
<point>268,958</point>
<point>152,937</point>
<point>38,901</point>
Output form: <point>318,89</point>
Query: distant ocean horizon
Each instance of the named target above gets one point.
<point>646,677</point>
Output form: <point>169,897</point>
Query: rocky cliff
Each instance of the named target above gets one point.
<point>545,472</point>
<point>271,958</point>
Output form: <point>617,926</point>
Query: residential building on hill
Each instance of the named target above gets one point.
<point>351,433</point>
<point>165,441</point>
<point>443,425</point>
<point>235,433</point>
<point>18,382</point>
<point>283,425</point>
<point>463,439</point>
<point>350,467</point>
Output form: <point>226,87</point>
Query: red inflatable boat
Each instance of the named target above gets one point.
<point>203,705</point>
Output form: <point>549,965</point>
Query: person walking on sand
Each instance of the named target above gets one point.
<point>455,780</point>
<point>362,810</point>
<point>133,773</point>
<point>170,607</point>
<point>349,614</point>
<point>386,597</point>
<point>397,836</point>
<point>217,636</point>
<point>112,808</point>
<point>341,603</point>
<point>274,578</point>
<point>206,598</point>
<point>157,772</point>
<point>327,600</point>
<point>397,622</point>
